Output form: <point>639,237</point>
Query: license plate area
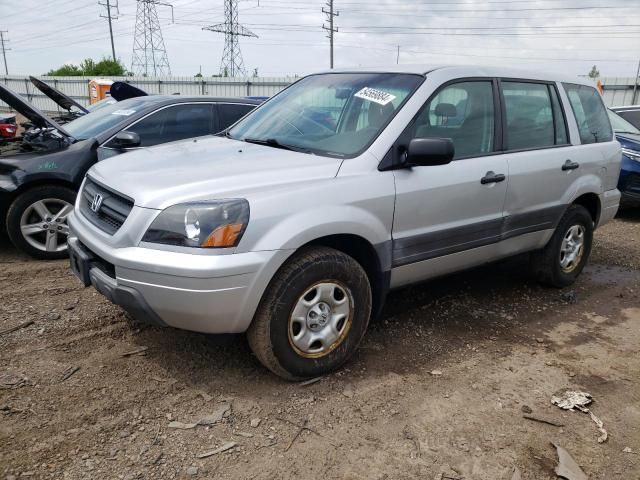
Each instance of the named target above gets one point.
<point>80,262</point>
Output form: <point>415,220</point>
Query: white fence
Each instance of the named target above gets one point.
<point>78,87</point>
<point>620,91</point>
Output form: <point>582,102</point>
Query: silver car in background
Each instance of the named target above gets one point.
<point>294,224</point>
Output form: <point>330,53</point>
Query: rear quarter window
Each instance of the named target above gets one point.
<point>590,113</point>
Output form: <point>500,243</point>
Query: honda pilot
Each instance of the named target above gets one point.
<point>295,223</point>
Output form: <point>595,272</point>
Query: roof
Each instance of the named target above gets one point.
<point>625,107</point>
<point>470,71</point>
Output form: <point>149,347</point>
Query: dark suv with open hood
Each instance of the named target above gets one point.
<point>40,171</point>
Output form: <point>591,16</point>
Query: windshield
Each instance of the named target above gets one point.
<point>338,114</point>
<point>101,104</point>
<point>620,125</point>
<point>96,122</point>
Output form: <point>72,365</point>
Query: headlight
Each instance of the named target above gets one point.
<point>215,224</point>
<point>632,154</point>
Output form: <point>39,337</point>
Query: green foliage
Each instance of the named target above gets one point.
<point>594,73</point>
<point>198,75</point>
<point>90,68</point>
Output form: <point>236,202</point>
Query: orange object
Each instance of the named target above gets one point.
<point>99,89</point>
<point>224,236</point>
<point>600,87</point>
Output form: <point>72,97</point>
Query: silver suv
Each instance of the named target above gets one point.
<point>294,224</point>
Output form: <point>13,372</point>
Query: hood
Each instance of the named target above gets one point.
<point>207,168</point>
<point>57,96</point>
<point>35,116</point>
<point>122,91</point>
<point>629,140</point>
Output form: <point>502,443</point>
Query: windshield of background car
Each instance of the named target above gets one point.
<point>620,125</point>
<point>101,120</point>
<point>337,114</point>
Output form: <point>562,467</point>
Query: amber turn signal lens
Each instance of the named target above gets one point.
<point>223,236</point>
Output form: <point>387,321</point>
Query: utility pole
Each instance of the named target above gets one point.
<point>108,5</point>
<point>232,64</point>
<point>330,17</point>
<point>398,56</point>
<point>635,85</point>
<point>3,42</point>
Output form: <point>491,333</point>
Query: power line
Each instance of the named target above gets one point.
<point>3,42</point>
<point>149,53</point>
<point>110,17</point>
<point>330,17</point>
<point>232,64</point>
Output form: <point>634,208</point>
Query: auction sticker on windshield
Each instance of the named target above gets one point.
<point>125,113</point>
<point>374,95</point>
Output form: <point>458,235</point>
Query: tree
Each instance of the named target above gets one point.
<point>90,68</point>
<point>255,73</point>
<point>594,73</point>
<point>198,75</point>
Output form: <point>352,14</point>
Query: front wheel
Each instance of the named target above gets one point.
<point>37,221</point>
<point>313,315</point>
<point>566,254</point>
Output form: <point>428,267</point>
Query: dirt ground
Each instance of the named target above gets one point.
<point>437,390</point>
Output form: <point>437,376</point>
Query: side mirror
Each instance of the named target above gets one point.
<point>124,140</point>
<point>425,152</point>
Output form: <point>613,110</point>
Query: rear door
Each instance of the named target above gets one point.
<point>542,162</point>
<point>454,208</point>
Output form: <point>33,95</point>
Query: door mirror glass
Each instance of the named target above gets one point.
<point>424,152</point>
<point>125,140</point>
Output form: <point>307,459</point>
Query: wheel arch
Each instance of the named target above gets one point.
<point>591,202</point>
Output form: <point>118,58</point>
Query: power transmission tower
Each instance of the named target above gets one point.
<point>3,45</point>
<point>149,54</point>
<point>110,17</point>
<point>330,17</point>
<point>232,64</point>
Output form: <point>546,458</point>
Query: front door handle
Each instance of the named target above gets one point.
<point>492,177</point>
<point>569,165</point>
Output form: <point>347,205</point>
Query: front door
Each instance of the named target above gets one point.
<point>449,211</point>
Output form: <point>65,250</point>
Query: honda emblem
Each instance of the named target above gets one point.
<point>96,203</point>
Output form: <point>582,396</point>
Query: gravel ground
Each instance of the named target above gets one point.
<point>437,390</point>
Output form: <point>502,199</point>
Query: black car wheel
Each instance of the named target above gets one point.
<point>37,221</point>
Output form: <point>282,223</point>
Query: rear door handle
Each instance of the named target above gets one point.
<point>492,177</point>
<point>569,165</point>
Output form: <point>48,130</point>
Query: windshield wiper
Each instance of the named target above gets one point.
<point>272,142</point>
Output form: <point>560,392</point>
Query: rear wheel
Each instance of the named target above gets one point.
<point>567,253</point>
<point>313,315</point>
<point>37,221</point>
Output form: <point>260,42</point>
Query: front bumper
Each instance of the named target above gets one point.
<point>205,293</point>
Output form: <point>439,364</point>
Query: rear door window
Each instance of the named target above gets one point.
<point>590,113</point>
<point>230,113</point>
<point>533,116</point>
<point>631,116</point>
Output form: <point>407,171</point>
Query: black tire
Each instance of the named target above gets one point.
<point>21,204</point>
<point>546,263</point>
<point>269,333</point>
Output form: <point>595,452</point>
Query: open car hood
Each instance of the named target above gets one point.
<point>35,116</point>
<point>122,91</point>
<point>57,96</point>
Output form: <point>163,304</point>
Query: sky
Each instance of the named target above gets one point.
<point>558,35</point>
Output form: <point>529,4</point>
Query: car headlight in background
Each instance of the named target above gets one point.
<point>214,224</point>
<point>632,154</point>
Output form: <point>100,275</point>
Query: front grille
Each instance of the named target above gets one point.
<point>113,211</point>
